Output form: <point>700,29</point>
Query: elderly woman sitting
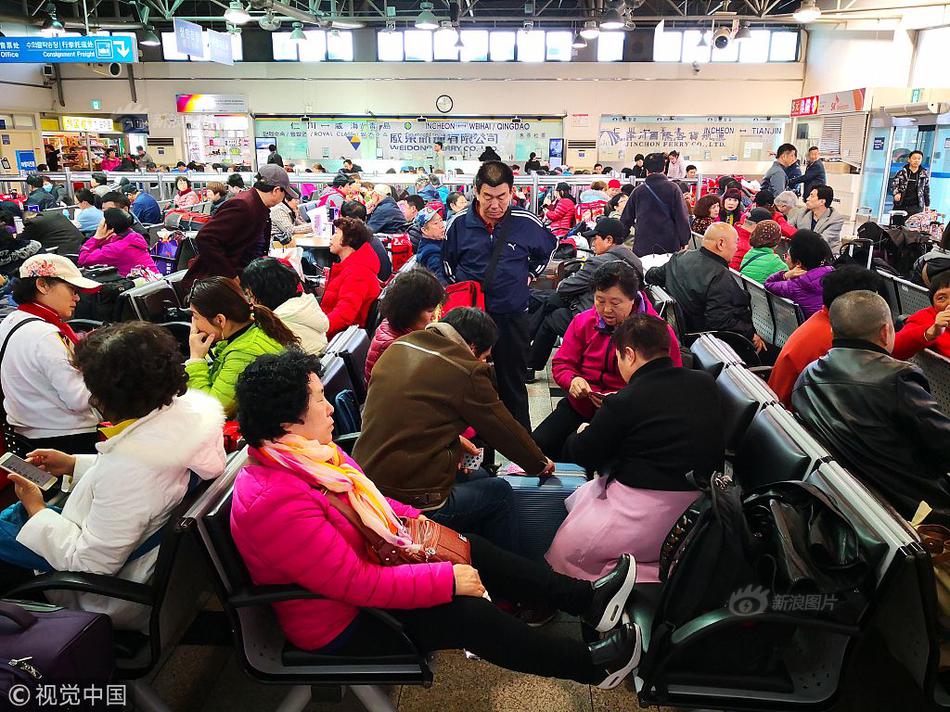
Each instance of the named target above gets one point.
<point>303,513</point>
<point>786,208</point>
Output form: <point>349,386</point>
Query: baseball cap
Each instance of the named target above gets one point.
<point>48,265</point>
<point>609,227</point>
<point>424,216</point>
<point>613,183</point>
<point>275,176</point>
<point>129,188</point>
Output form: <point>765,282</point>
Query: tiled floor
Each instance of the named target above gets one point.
<point>208,678</point>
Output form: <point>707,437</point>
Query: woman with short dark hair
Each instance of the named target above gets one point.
<point>559,209</point>
<point>809,260</point>
<point>185,198</point>
<point>353,285</point>
<point>116,244</point>
<point>705,213</point>
<point>288,524</point>
<point>122,497</point>
<point>277,286</point>
<point>412,302</point>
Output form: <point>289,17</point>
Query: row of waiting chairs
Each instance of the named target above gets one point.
<point>905,298</point>
<point>774,317</point>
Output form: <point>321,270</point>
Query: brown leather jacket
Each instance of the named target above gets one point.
<point>427,388</point>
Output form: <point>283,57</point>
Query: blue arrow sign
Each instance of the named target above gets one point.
<point>63,50</point>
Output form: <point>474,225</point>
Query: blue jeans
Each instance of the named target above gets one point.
<point>484,505</point>
<point>13,552</point>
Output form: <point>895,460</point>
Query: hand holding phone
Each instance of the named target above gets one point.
<point>18,466</point>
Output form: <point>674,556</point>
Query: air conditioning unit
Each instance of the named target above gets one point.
<point>919,109</point>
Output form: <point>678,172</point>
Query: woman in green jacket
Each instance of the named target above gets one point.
<point>239,331</point>
<point>761,262</point>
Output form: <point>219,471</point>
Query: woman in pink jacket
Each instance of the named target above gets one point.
<point>289,531</point>
<point>560,214</point>
<point>185,198</point>
<point>586,364</point>
<point>117,245</point>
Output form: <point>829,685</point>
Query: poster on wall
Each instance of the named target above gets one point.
<point>696,138</point>
<point>407,140</point>
<point>211,103</point>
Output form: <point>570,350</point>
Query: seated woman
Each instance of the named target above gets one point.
<point>705,213</point>
<point>121,497</point>
<point>46,401</point>
<point>234,331</point>
<point>273,284</point>
<point>429,254</point>
<point>808,258</point>
<point>586,366</point>
<point>217,193</point>
<point>352,285</point>
<point>616,205</point>
<point>412,302</point>
<point>287,523</point>
<point>286,223</point>
<point>559,213</point>
<point>760,262</point>
<point>89,215</point>
<point>786,205</point>
<point>731,211</point>
<point>663,425</point>
<point>14,250</point>
<point>927,329</point>
<point>185,198</point>
<point>596,192</point>
<point>744,233</point>
<point>117,245</point>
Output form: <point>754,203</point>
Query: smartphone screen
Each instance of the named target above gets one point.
<point>19,466</point>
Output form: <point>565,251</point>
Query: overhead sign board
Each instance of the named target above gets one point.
<point>211,103</point>
<point>220,47</point>
<point>86,123</point>
<point>188,38</point>
<point>838,102</point>
<point>65,50</point>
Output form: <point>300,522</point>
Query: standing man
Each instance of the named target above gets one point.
<point>814,174</point>
<point>775,178</point>
<point>240,231</point>
<point>911,185</point>
<point>439,159</point>
<point>658,212</point>
<point>501,248</point>
<point>274,158</point>
<point>142,158</point>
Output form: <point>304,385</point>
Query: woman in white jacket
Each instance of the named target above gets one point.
<point>122,496</point>
<point>271,283</point>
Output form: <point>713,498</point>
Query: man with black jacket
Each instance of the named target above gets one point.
<point>53,229</point>
<point>39,196</point>
<point>657,212</point>
<point>875,413</point>
<point>814,174</point>
<point>700,282</point>
<point>501,248</point>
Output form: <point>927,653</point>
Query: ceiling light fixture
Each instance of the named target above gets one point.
<point>347,23</point>
<point>426,20</point>
<point>590,31</point>
<point>459,45</point>
<point>149,38</point>
<point>233,29</point>
<point>297,34</point>
<point>702,40</point>
<point>578,42</point>
<point>612,20</point>
<point>807,12</point>
<point>743,32</point>
<point>236,14</point>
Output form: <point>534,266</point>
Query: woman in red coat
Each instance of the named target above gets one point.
<point>927,329</point>
<point>560,214</point>
<point>352,285</point>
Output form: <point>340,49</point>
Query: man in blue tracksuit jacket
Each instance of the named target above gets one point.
<point>467,253</point>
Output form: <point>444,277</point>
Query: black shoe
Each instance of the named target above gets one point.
<point>530,376</point>
<point>611,593</point>
<point>617,655</point>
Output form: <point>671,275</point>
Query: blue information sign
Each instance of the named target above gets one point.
<point>62,50</point>
<point>26,161</point>
<point>188,38</point>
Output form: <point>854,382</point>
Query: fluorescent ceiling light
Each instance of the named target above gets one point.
<point>426,20</point>
<point>149,38</point>
<point>590,31</point>
<point>807,12</point>
<point>347,23</point>
<point>612,20</point>
<point>236,14</point>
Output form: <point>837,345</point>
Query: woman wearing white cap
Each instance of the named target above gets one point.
<point>44,396</point>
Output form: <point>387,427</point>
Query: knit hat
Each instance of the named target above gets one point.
<point>613,183</point>
<point>732,193</point>
<point>765,234</point>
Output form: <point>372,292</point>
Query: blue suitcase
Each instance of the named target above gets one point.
<point>540,506</point>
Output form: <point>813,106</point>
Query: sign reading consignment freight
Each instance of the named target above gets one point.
<point>837,102</point>
<point>65,50</point>
<point>697,138</point>
<point>211,103</point>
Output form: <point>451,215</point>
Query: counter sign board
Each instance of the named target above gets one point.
<point>68,50</point>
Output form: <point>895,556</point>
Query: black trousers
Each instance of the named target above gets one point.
<point>553,430</point>
<point>554,325</point>
<point>479,626</point>
<point>79,444</point>
<point>510,358</point>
